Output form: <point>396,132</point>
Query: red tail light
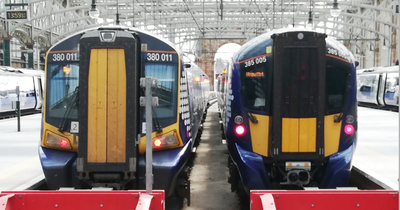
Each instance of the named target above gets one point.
<point>64,143</point>
<point>240,130</point>
<point>348,129</point>
<point>157,143</point>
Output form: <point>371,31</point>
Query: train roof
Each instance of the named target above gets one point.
<point>379,69</point>
<point>267,36</point>
<point>195,69</point>
<point>121,27</point>
<point>11,70</point>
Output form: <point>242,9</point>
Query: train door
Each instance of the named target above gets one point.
<point>39,92</point>
<point>381,89</point>
<point>391,92</point>
<point>299,96</point>
<point>108,108</point>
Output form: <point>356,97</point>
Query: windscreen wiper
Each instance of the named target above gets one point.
<point>339,117</point>
<point>74,100</point>
<point>252,118</point>
<point>156,121</point>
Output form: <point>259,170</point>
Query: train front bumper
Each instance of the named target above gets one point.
<point>337,172</point>
<point>251,168</point>
<point>59,168</point>
<point>254,174</point>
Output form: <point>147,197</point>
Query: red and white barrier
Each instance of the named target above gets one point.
<point>82,200</point>
<point>324,199</point>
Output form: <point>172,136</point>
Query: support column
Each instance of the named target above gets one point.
<point>2,54</point>
<point>6,51</point>
<point>23,58</point>
<point>30,55</point>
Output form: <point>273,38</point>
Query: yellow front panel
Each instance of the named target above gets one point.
<point>290,134</point>
<point>331,135</point>
<point>260,134</point>
<point>307,134</point>
<point>116,106</point>
<point>97,106</point>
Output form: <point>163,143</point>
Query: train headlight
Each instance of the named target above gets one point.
<point>165,141</point>
<point>239,120</point>
<point>107,36</point>
<point>349,119</point>
<point>300,36</point>
<point>56,141</point>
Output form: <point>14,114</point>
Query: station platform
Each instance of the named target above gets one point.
<point>19,160</point>
<point>377,151</point>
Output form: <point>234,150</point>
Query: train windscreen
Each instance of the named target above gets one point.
<point>166,92</point>
<point>336,84</point>
<point>62,81</point>
<point>257,85</point>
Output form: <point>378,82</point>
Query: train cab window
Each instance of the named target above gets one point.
<point>336,84</point>
<point>62,81</point>
<point>166,92</point>
<point>256,86</point>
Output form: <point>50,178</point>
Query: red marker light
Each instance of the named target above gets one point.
<point>64,143</point>
<point>157,143</point>
<point>349,129</point>
<point>240,130</point>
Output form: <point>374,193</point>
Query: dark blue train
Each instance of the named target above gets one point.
<point>291,112</point>
<point>93,132</point>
